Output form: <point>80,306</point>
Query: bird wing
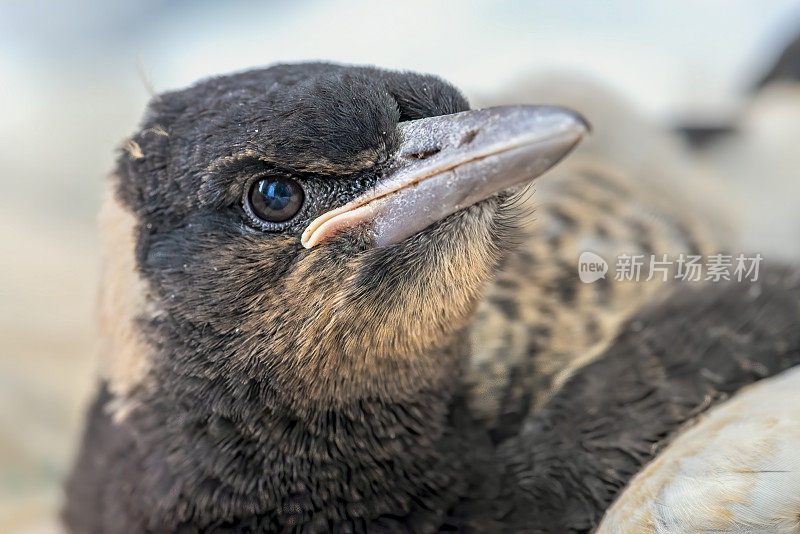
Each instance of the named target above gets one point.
<point>735,470</point>
<point>676,358</point>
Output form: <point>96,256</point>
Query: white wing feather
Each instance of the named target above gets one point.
<point>736,470</point>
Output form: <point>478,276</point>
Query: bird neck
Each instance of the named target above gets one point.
<point>236,444</point>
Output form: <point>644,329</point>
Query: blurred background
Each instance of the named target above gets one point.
<point>699,77</point>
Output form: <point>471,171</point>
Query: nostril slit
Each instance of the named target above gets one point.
<point>468,137</point>
<point>423,155</point>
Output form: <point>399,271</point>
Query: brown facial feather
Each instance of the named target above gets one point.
<point>332,325</point>
<point>354,345</point>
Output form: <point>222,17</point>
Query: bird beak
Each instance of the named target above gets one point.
<point>450,162</point>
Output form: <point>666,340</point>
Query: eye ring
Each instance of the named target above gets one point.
<point>273,201</point>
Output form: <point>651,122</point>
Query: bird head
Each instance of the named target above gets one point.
<point>321,233</point>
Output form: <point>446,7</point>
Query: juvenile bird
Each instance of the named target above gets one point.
<point>295,254</point>
<point>294,258</point>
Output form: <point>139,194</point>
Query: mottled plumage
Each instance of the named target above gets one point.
<point>538,321</point>
<point>613,196</point>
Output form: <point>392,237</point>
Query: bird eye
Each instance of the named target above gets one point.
<point>275,199</point>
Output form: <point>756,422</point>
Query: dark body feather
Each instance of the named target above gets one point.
<point>373,468</point>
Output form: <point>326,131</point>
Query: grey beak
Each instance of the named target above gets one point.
<point>450,162</point>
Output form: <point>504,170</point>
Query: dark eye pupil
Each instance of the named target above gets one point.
<point>277,195</point>
<point>276,199</point>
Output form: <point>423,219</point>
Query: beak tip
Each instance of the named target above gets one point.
<point>584,123</point>
<point>579,124</point>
